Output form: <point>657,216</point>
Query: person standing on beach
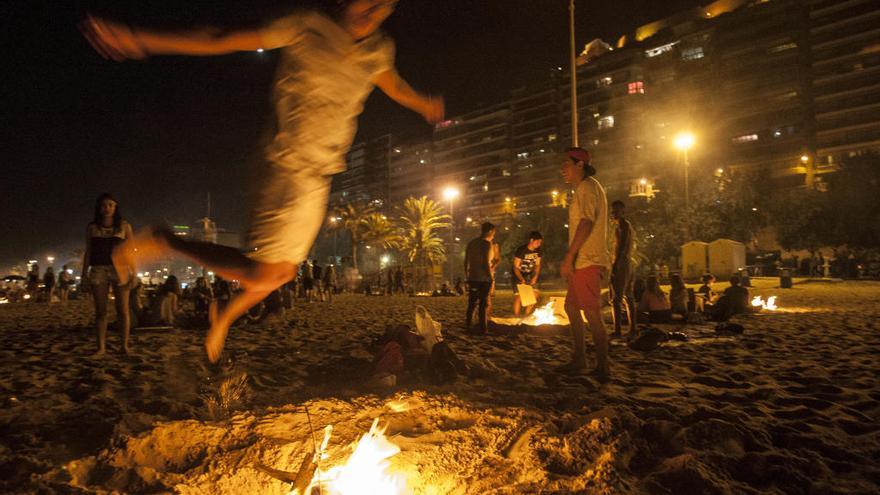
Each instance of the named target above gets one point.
<point>64,282</point>
<point>49,284</point>
<point>526,269</point>
<point>586,260</point>
<point>332,58</point>
<point>622,298</point>
<point>478,271</point>
<point>106,231</point>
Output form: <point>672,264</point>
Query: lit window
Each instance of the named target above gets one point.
<point>693,53</point>
<point>653,52</point>
<point>636,88</point>
<point>551,137</point>
<point>745,138</point>
<point>505,173</point>
<point>604,81</point>
<point>606,122</point>
<point>485,186</point>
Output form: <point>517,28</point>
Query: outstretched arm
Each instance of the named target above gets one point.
<point>119,41</point>
<point>431,108</point>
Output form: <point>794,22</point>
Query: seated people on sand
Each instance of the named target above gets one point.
<point>654,305</point>
<point>678,295</point>
<point>734,301</point>
<point>202,295</point>
<point>165,304</point>
<point>706,290</point>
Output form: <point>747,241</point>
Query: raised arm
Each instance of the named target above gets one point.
<point>431,108</point>
<point>119,41</point>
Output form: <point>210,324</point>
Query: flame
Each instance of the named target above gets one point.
<point>366,470</point>
<point>769,304</point>
<point>544,315</point>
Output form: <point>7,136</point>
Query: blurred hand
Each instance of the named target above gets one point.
<point>112,40</point>
<point>434,109</point>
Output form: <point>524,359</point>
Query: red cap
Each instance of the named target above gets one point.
<point>578,155</point>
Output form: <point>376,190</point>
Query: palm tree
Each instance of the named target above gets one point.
<point>377,229</point>
<point>352,218</point>
<point>419,222</point>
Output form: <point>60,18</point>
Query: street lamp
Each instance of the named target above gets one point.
<point>684,141</point>
<point>449,194</point>
<point>51,260</point>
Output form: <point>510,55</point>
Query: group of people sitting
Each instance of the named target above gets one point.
<point>654,306</point>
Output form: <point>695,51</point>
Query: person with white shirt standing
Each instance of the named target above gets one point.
<point>586,261</point>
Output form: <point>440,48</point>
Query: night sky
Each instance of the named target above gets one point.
<point>161,134</point>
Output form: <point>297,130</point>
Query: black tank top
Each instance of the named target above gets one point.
<point>102,247</point>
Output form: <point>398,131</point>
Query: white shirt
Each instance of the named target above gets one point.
<point>322,81</point>
<point>589,203</point>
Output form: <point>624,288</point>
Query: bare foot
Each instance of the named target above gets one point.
<point>127,350</point>
<point>100,353</point>
<point>215,340</point>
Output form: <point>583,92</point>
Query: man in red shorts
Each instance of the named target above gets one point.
<point>586,261</point>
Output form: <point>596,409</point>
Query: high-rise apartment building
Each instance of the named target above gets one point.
<point>787,88</point>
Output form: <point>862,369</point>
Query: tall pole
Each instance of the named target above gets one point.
<point>687,195</point>
<point>451,240</point>
<point>573,67</point>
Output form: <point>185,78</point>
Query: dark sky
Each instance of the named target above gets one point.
<point>161,134</point>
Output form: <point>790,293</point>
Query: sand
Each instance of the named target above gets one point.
<point>790,406</point>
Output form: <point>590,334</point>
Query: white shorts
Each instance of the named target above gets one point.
<point>290,208</point>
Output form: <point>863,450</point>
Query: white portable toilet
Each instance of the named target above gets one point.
<point>726,257</point>
<point>694,259</point>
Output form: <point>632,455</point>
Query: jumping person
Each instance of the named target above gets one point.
<point>586,260</point>
<point>331,60</point>
<point>106,231</point>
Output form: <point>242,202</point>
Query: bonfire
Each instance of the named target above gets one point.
<point>365,472</point>
<point>769,304</point>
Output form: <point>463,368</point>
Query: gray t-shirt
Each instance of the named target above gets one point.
<point>322,81</point>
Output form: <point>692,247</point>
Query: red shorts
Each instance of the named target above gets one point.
<point>585,288</point>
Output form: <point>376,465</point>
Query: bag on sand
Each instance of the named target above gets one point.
<point>427,328</point>
<point>445,365</point>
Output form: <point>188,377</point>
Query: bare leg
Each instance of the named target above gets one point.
<point>237,306</point>
<point>123,317</point>
<point>579,353</point>
<point>100,296</point>
<point>517,305</point>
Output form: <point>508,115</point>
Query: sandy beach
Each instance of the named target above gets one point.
<point>790,406</point>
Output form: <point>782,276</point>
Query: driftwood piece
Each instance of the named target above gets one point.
<point>300,480</point>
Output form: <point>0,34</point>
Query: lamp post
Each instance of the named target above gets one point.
<point>573,67</point>
<point>449,194</point>
<point>684,141</point>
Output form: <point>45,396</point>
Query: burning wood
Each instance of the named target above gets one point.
<point>769,304</point>
<point>364,473</point>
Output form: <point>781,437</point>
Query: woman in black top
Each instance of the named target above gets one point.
<point>106,231</point>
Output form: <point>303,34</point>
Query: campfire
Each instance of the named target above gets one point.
<point>769,304</point>
<point>365,472</point>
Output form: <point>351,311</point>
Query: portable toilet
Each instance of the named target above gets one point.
<point>694,259</point>
<point>726,257</point>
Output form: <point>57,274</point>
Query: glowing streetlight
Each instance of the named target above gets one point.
<point>805,158</point>
<point>50,259</point>
<point>684,141</point>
